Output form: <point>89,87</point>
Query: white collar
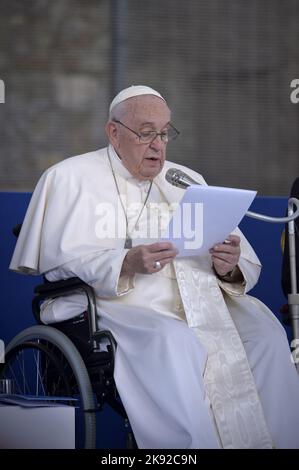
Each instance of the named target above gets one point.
<point>121,170</point>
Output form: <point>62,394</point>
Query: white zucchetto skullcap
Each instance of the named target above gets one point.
<point>134,90</point>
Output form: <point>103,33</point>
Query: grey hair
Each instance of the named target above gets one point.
<point>119,111</point>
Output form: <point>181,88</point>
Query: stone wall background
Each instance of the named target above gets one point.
<point>54,62</point>
<point>225,67</point>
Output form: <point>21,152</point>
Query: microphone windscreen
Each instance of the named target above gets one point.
<point>178,178</point>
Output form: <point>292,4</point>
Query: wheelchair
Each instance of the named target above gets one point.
<point>70,362</point>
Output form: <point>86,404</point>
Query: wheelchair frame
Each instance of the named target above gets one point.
<point>96,380</point>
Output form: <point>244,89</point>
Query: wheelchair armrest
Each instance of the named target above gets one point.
<point>58,287</point>
<point>54,289</point>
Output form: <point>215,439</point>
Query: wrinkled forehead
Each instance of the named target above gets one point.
<point>146,109</point>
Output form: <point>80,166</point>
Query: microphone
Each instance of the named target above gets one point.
<point>180,179</point>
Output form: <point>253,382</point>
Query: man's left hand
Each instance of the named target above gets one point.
<point>225,256</point>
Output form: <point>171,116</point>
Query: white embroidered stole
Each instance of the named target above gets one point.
<point>228,379</point>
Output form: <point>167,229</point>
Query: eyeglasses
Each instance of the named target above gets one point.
<point>147,137</point>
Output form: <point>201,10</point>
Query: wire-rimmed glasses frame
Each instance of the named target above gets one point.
<point>147,137</point>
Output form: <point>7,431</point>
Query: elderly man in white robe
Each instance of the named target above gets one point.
<point>199,363</point>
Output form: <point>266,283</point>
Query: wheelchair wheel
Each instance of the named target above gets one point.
<point>42,361</point>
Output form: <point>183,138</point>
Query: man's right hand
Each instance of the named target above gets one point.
<point>142,258</point>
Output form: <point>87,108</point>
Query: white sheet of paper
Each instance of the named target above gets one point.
<point>206,215</point>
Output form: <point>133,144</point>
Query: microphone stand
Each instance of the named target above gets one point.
<point>293,296</point>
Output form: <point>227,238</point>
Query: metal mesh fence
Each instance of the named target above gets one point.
<point>225,68</point>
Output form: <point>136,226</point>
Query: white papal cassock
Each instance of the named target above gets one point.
<point>199,363</point>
